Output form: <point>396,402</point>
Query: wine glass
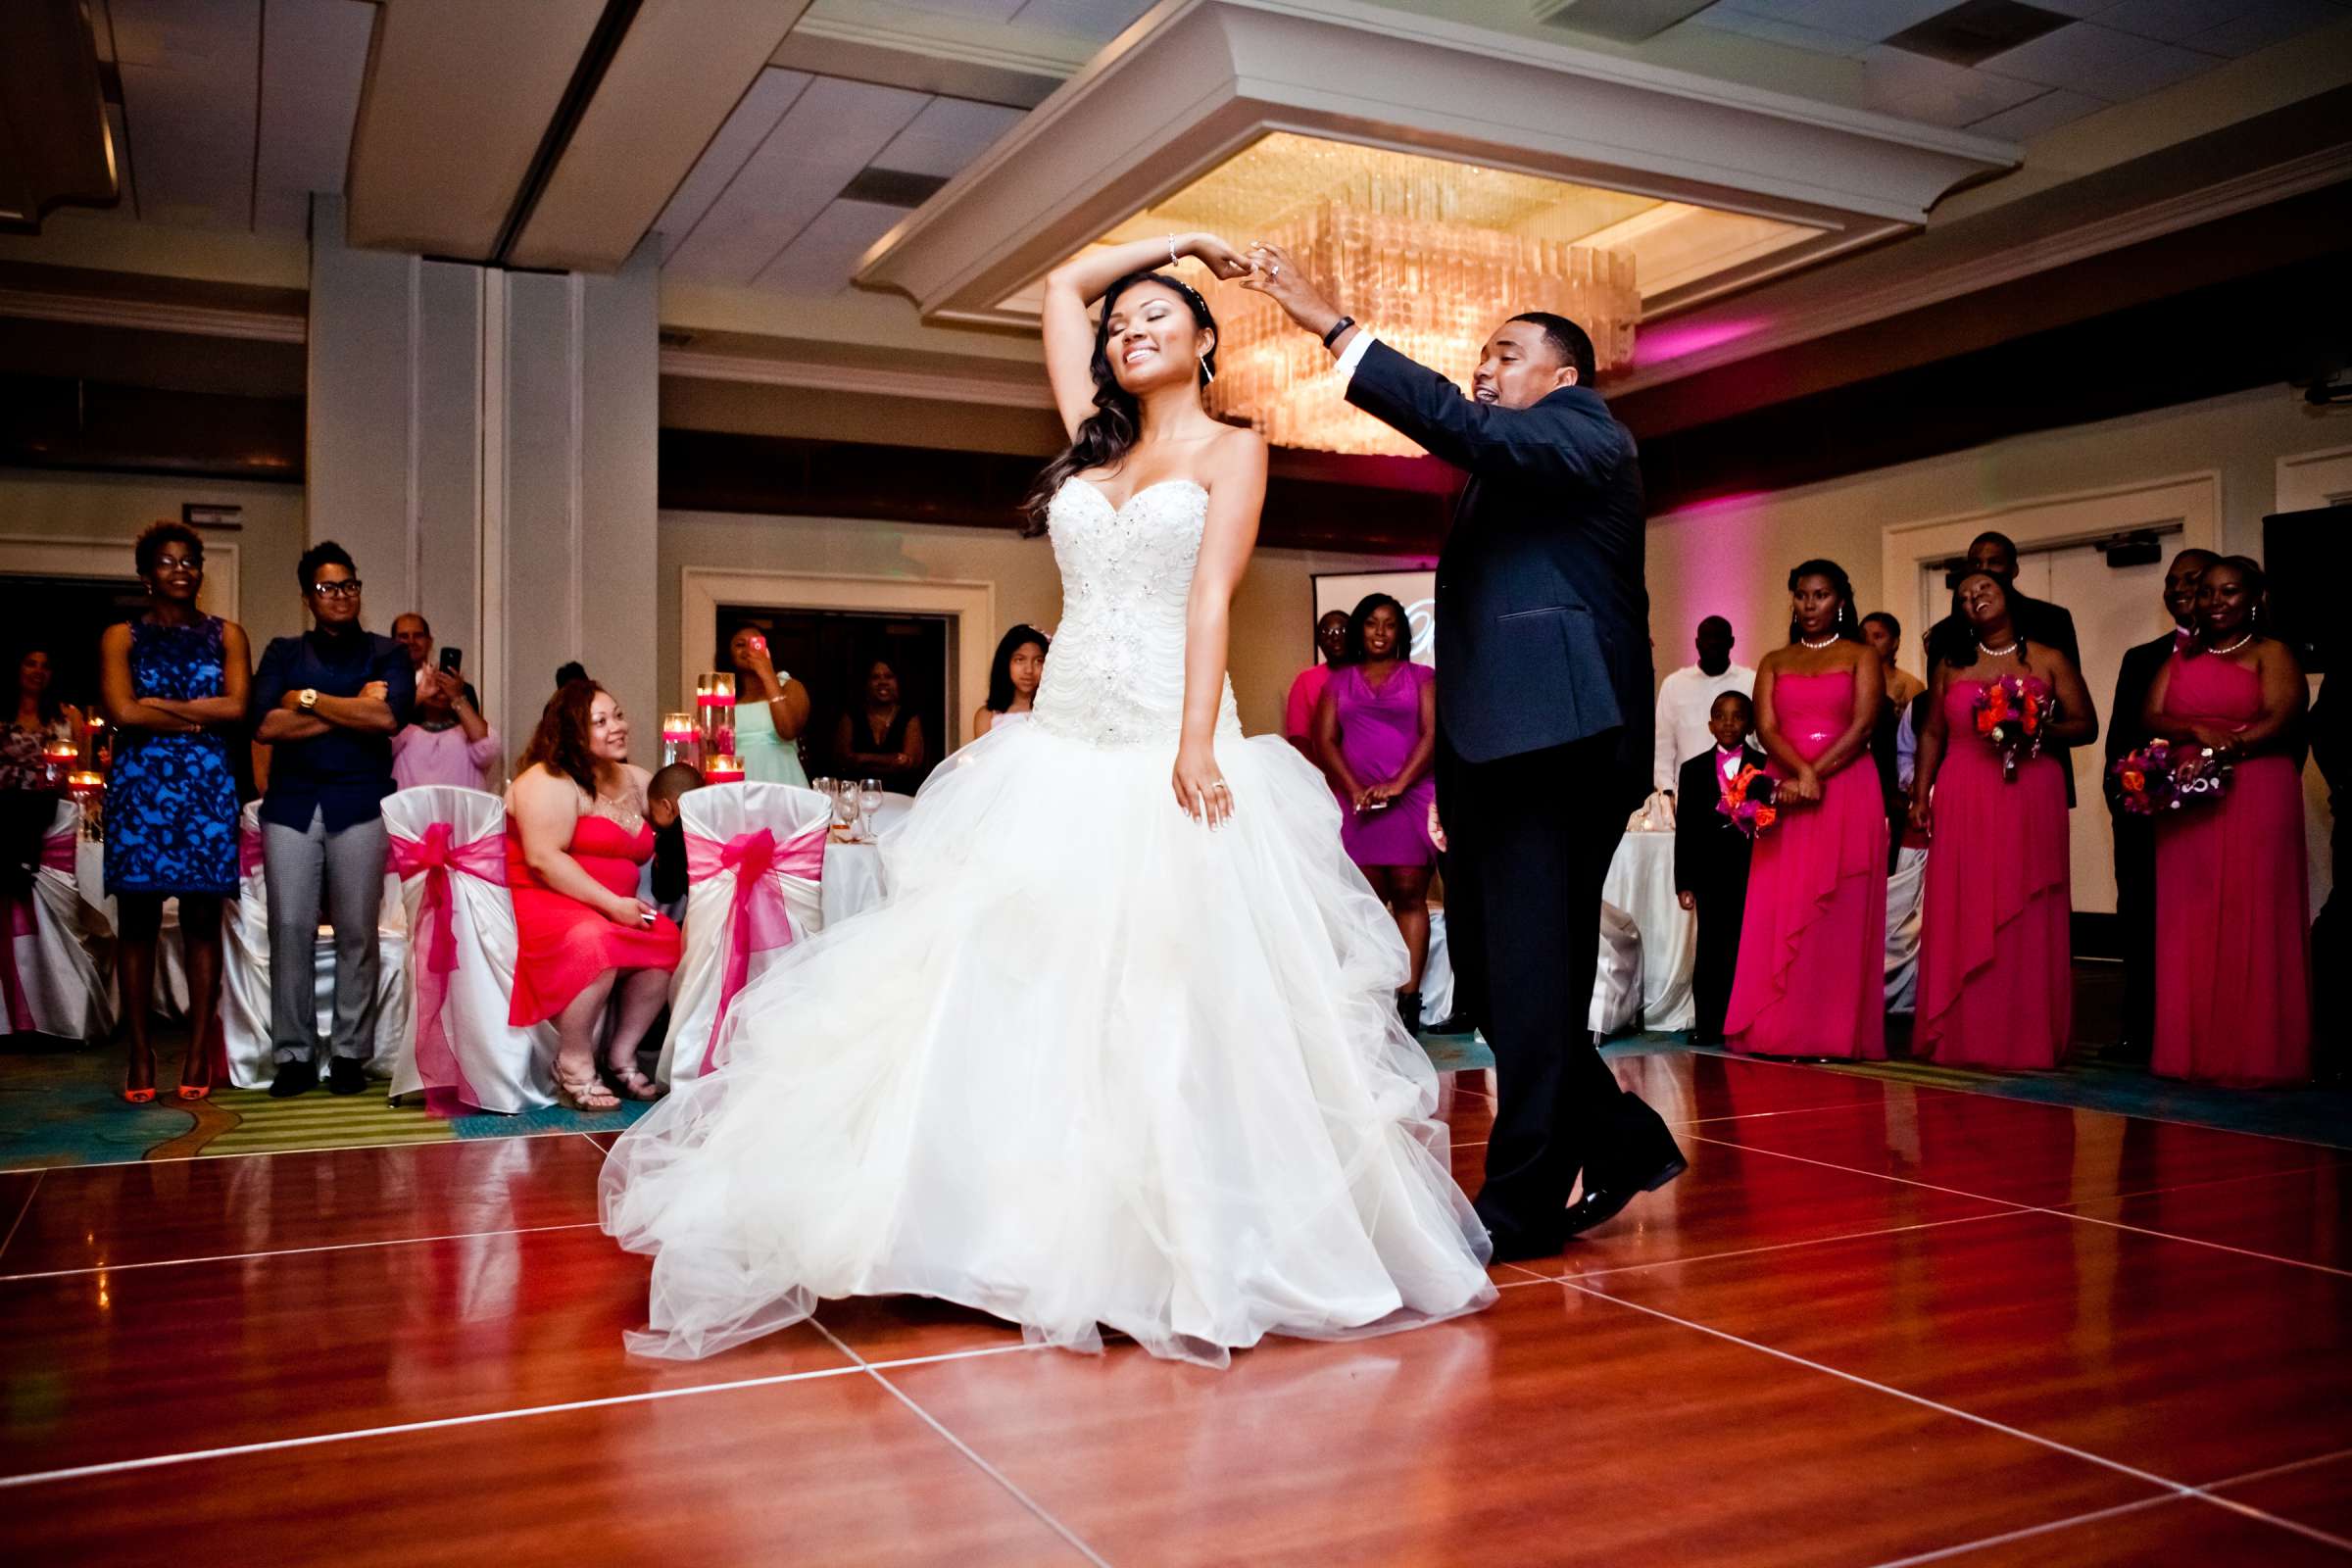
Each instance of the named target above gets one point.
<point>845,802</point>
<point>869,801</point>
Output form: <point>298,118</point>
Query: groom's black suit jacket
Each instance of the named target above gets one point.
<point>1543,616</point>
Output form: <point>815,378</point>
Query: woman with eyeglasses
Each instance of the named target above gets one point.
<point>172,683</point>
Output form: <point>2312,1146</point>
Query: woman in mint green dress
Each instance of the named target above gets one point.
<point>772,708</point>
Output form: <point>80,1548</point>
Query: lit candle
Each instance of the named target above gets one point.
<point>714,704</point>
<point>678,736</point>
<point>723,768</point>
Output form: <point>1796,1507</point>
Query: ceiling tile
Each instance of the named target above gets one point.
<point>2171,20</point>
<point>191,81</point>
<point>2144,73</point>
<point>1772,30</point>
<point>2269,22</point>
<point>969,10</point>
<point>947,134</point>
<point>2069,57</point>
<point>1913,87</point>
<point>1869,20</point>
<point>1086,18</point>
<point>763,104</point>
<point>824,255</point>
<point>313,60</point>
<point>2029,120</point>
<point>832,131</point>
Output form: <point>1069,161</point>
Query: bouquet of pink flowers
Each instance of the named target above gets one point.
<point>1746,800</point>
<point>2012,713</point>
<point>2163,777</point>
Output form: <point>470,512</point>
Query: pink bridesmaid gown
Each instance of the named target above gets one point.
<point>1812,975</point>
<point>2232,911</point>
<point>1996,985</point>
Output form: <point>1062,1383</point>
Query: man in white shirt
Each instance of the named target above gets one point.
<point>1686,697</point>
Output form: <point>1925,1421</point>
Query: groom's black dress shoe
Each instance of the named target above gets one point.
<point>1605,1198</point>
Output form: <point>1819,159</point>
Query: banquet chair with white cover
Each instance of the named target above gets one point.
<point>458,1048</point>
<point>245,972</point>
<point>56,974</point>
<point>754,866</point>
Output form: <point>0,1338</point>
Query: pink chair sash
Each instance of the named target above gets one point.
<point>759,920</point>
<point>436,940</point>
<point>249,852</point>
<point>57,854</point>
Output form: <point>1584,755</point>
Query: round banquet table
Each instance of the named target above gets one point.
<point>852,882</point>
<point>1641,884</point>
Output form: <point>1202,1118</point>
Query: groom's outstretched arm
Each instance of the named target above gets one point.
<point>1550,443</point>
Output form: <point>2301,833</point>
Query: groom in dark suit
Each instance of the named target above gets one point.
<point>1543,712</point>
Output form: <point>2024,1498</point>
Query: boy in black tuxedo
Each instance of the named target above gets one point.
<point>1710,858</point>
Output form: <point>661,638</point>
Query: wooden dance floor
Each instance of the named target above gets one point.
<point>1872,1324</point>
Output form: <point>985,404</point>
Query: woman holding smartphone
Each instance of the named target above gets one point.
<point>772,708</point>
<point>446,740</point>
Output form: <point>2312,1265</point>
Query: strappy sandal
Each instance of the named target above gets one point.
<point>586,1092</point>
<point>630,1084</point>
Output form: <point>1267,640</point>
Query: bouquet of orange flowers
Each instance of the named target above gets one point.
<point>2011,714</point>
<point>2163,777</point>
<point>1746,800</point>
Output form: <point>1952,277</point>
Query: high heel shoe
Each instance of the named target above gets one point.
<point>140,1097</point>
<point>202,1091</point>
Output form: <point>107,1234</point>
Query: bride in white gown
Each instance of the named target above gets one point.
<point>1106,1060</point>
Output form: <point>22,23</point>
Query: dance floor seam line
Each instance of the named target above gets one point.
<point>290,1252</point>
<point>22,1209</point>
<point>156,1461</point>
<point>2211,1181</point>
<point>2006,1538</point>
<point>2338,1149</point>
<point>280,1154</point>
<point>2008,1211</point>
<point>2037,1208</point>
<point>1044,1515</point>
<point>2147,1477</point>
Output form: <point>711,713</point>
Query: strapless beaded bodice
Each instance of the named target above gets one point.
<point>1115,675</point>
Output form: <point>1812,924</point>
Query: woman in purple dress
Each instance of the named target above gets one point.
<point>1376,731</point>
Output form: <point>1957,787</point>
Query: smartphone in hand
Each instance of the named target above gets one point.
<point>451,658</point>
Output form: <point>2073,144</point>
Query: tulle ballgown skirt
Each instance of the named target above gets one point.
<point>1092,1067</point>
<point>1812,975</point>
<point>1995,967</point>
<point>2233,937</point>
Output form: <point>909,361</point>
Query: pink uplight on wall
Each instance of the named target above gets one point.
<point>1679,340</point>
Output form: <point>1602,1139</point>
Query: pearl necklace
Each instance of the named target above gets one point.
<point>1829,640</point>
<point>2235,646</point>
<point>2002,652</point>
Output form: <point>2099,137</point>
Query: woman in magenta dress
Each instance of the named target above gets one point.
<point>2232,912</point>
<point>578,839</point>
<point>1812,979</point>
<point>1376,732</point>
<point>1996,965</point>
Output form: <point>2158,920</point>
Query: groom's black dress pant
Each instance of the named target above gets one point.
<point>1532,836</point>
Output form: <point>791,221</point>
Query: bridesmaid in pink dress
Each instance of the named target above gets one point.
<point>1812,978</point>
<point>1996,985</point>
<point>2233,911</point>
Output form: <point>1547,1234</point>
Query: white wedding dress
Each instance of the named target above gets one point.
<point>1092,1066</point>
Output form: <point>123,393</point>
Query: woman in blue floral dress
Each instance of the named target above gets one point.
<point>173,683</point>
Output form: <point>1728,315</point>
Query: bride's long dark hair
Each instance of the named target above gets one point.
<point>1110,431</point>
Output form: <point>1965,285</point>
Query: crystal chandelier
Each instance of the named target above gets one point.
<point>1431,256</point>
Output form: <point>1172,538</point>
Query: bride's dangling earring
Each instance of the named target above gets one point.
<point>1207,375</point>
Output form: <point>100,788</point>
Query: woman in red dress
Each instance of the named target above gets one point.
<point>1812,973</point>
<point>1996,983</point>
<point>578,839</point>
<point>2232,911</point>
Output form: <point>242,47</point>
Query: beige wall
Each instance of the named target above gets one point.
<point>62,508</point>
<point>1272,615</point>
<point>1732,558</point>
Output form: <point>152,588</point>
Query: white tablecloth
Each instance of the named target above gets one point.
<point>853,880</point>
<point>1616,997</point>
<point>1641,884</point>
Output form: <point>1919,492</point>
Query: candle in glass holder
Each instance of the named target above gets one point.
<point>678,739</point>
<point>58,759</point>
<point>722,768</point>
<point>714,709</point>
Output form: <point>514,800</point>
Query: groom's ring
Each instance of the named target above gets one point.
<point>1274,271</point>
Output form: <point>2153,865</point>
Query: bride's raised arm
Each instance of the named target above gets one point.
<point>1080,282</point>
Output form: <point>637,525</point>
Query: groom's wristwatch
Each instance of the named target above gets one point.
<point>1337,327</point>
